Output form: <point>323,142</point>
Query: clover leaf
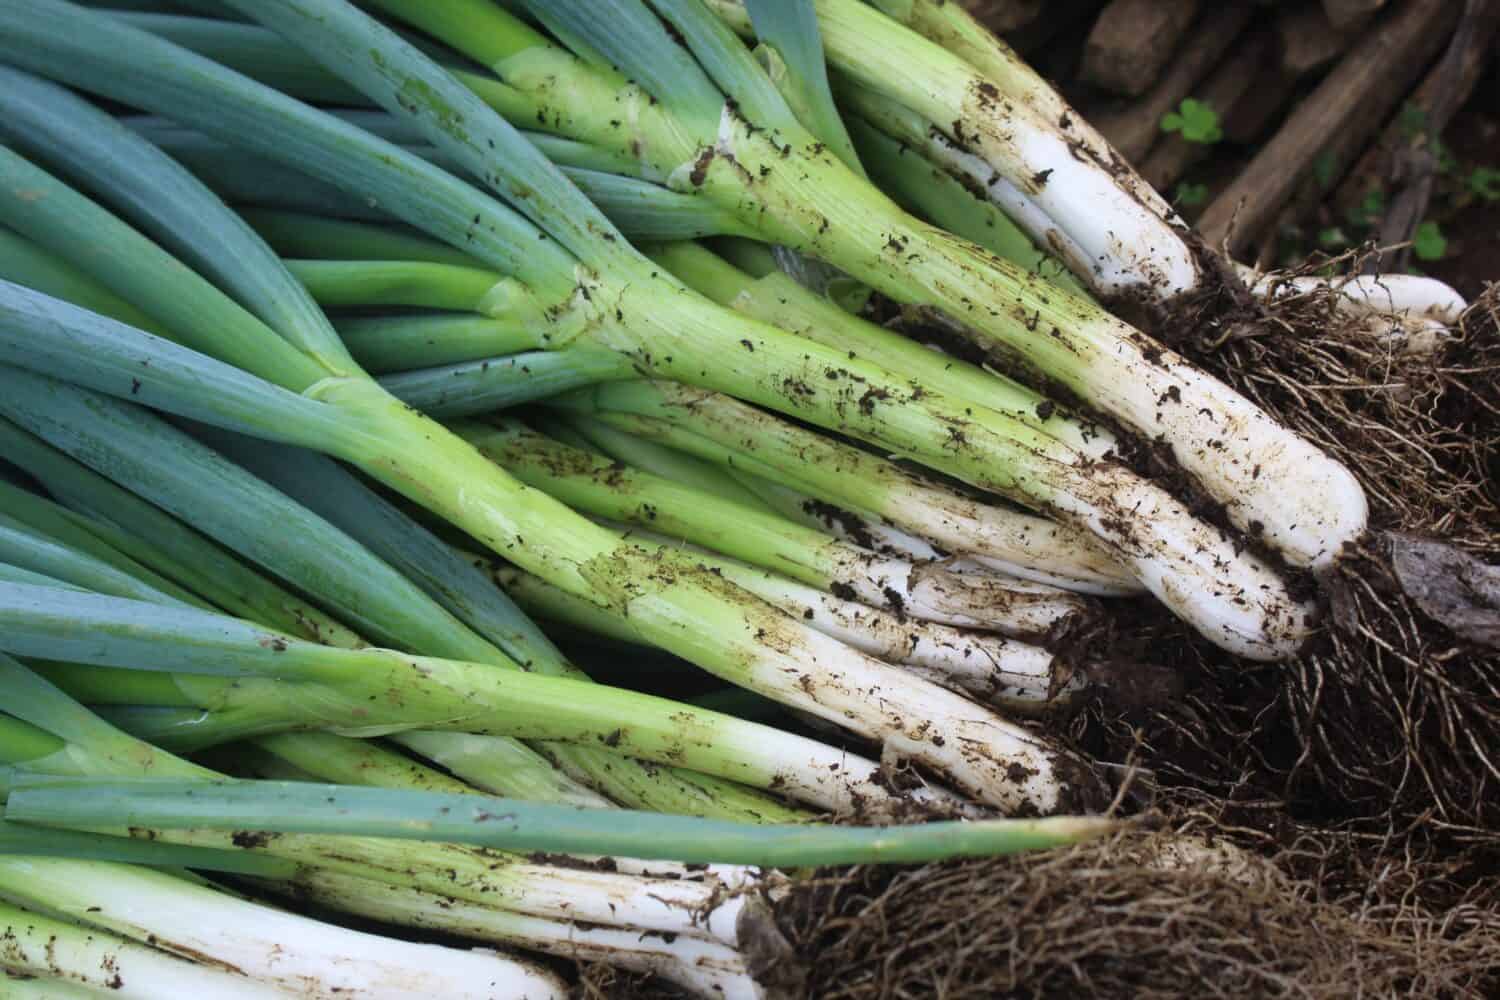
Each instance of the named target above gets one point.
<point>1195,120</point>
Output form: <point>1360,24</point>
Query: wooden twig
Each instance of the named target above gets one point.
<point>1132,41</point>
<point>1062,16</point>
<point>1335,119</point>
<point>1259,107</point>
<point>1001,16</point>
<point>1415,165</point>
<point>1310,41</point>
<point>1343,13</point>
<point>1134,128</point>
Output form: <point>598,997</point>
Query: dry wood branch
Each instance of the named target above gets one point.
<point>1346,12</point>
<point>1132,41</point>
<point>1310,41</point>
<point>1063,16</point>
<point>1336,118</point>
<point>1001,16</point>
<point>1413,164</point>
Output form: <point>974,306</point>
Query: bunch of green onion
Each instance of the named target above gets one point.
<point>335,350</point>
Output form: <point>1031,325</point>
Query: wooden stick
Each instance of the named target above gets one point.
<point>1310,41</point>
<point>1258,107</point>
<point>1343,13</point>
<point>1337,117</point>
<point>1001,16</point>
<point>1132,41</point>
<point>1416,164</point>
<point>1062,17</point>
<point>1133,129</point>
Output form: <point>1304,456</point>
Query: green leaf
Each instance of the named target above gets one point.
<point>1325,169</point>
<point>1370,208</point>
<point>1195,120</point>
<point>790,30</point>
<point>510,824</point>
<point>1190,194</point>
<point>1412,121</point>
<point>1428,242</point>
<point>1485,182</point>
<point>1333,238</point>
<point>1447,163</point>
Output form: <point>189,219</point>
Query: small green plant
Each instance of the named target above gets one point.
<point>1412,120</point>
<point>1333,238</point>
<point>1369,210</point>
<point>1195,121</point>
<point>1428,242</point>
<point>1325,169</point>
<point>1485,182</point>
<point>1189,195</point>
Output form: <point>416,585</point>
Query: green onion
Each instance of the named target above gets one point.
<point>1305,504</point>
<point>1233,598</point>
<point>348,416</point>
<point>994,670</point>
<point>607,489</point>
<point>297,807</point>
<point>261,943</point>
<point>286,684</point>
<point>93,963</point>
<point>739,437</point>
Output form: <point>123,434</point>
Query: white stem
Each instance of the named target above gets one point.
<point>1003,672</point>
<point>837,521</point>
<point>35,945</point>
<point>303,956</point>
<point>612,899</point>
<point>1129,247</point>
<point>705,967</point>
<point>1182,561</point>
<point>23,986</point>
<point>993,760</point>
<point>1411,313</point>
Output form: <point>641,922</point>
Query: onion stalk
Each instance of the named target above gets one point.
<point>608,489</point>
<point>300,807</point>
<point>271,683</point>
<point>342,413</point>
<point>719,429</point>
<point>297,954</point>
<point>1305,504</point>
<point>355,420</point>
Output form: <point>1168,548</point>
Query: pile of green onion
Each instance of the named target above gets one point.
<point>369,375</point>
